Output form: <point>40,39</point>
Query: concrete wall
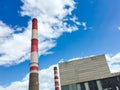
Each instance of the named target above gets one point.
<point>82,70</point>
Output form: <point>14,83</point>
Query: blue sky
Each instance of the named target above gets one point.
<point>67,29</point>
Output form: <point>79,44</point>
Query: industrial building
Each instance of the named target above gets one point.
<point>90,73</point>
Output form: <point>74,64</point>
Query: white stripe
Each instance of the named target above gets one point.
<point>34,71</point>
<point>56,74</point>
<point>56,80</point>
<point>56,85</point>
<point>35,34</point>
<point>34,57</point>
<point>33,64</point>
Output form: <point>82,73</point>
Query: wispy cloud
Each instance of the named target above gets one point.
<point>84,25</point>
<point>53,18</point>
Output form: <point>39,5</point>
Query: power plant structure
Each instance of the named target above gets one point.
<point>56,79</point>
<point>90,73</point>
<point>33,78</point>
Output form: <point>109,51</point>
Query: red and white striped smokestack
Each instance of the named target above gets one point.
<point>56,79</point>
<point>33,79</point>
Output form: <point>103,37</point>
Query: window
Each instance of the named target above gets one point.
<point>110,83</point>
<point>64,87</point>
<point>82,86</point>
<point>93,85</point>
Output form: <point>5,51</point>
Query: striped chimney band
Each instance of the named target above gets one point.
<point>34,47</point>
<point>56,79</point>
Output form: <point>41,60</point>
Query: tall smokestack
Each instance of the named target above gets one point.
<point>33,79</point>
<point>56,80</point>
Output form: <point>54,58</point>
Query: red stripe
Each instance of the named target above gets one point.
<point>56,83</point>
<point>57,88</point>
<point>33,68</point>
<point>56,77</point>
<point>34,45</point>
<point>34,24</point>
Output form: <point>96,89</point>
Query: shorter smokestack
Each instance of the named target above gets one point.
<point>56,80</point>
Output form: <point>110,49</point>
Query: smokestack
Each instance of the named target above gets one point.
<point>33,79</point>
<point>56,80</point>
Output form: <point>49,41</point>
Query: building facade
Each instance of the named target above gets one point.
<point>90,73</point>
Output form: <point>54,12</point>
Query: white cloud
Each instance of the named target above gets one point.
<point>53,21</point>
<point>5,32</point>
<point>46,77</point>
<point>114,62</point>
<point>84,25</point>
<point>77,58</point>
<point>119,28</point>
<point>48,8</point>
<point>52,15</point>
